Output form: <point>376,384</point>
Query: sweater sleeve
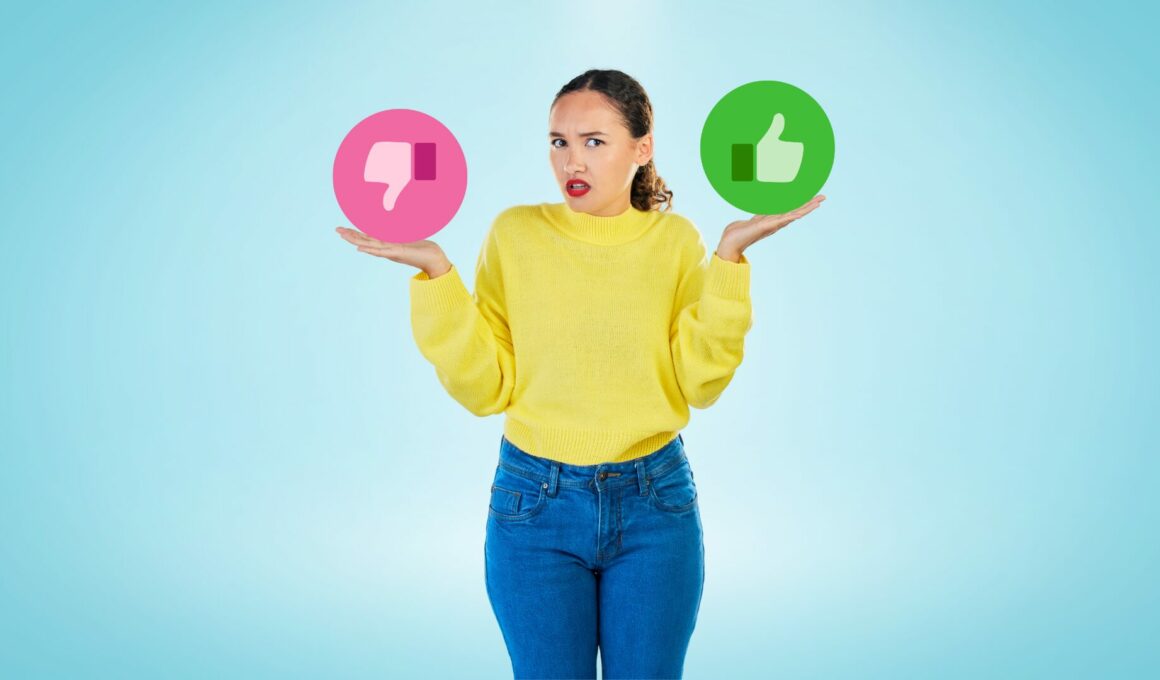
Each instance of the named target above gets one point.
<point>713,312</point>
<point>467,337</point>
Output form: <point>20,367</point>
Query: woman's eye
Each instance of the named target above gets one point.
<point>590,139</point>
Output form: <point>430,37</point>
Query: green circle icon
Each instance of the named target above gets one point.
<point>767,147</point>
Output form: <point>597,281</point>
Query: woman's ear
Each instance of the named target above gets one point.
<point>644,150</point>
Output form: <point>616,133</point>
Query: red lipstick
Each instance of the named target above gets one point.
<point>576,187</point>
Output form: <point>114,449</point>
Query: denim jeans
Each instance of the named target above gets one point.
<point>585,557</point>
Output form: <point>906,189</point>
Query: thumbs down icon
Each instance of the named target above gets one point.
<point>396,164</point>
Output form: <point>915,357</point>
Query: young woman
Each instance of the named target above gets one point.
<point>595,324</point>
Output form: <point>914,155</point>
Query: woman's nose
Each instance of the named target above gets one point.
<point>574,163</point>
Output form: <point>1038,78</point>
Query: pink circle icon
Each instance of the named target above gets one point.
<point>399,175</point>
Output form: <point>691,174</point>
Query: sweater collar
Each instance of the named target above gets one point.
<point>604,231</point>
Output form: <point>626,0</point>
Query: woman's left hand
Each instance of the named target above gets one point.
<point>741,234</point>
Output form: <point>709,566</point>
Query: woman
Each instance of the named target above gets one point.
<point>595,324</point>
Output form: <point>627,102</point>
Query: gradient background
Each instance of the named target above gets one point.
<point>223,455</point>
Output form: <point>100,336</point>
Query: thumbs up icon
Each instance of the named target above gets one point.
<point>391,163</point>
<point>777,160</point>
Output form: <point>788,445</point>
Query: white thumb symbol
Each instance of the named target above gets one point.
<point>778,160</point>
<point>389,163</point>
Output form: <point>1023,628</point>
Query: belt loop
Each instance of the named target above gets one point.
<point>641,477</point>
<point>553,476</point>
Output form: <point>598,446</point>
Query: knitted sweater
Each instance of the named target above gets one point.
<point>594,335</point>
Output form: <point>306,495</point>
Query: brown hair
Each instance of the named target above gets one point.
<point>631,101</point>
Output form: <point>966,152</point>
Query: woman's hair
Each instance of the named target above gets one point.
<point>631,101</point>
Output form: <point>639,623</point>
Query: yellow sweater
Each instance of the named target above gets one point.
<point>593,334</point>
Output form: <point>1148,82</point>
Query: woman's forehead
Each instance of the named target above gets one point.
<point>580,115</point>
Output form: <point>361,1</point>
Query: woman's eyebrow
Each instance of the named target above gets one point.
<point>582,134</point>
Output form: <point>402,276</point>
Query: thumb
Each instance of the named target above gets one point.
<point>775,128</point>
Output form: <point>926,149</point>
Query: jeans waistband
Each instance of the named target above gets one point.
<point>606,475</point>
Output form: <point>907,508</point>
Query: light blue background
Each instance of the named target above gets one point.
<point>223,455</point>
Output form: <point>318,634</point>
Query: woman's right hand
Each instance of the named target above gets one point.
<point>426,255</point>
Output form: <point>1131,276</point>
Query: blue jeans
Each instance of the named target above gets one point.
<point>608,556</point>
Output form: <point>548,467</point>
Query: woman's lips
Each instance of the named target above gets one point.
<point>576,192</point>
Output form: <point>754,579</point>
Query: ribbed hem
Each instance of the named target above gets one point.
<point>728,279</point>
<point>582,447</point>
<point>440,294</point>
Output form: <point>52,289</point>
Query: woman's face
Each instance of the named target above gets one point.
<point>590,143</point>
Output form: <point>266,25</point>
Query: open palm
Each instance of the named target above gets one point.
<point>426,255</point>
<point>741,234</point>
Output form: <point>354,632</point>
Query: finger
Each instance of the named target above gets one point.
<point>805,209</point>
<point>372,251</point>
<point>350,234</point>
<point>784,218</point>
<point>790,217</point>
<point>808,207</point>
<point>359,239</point>
<point>345,233</point>
<point>385,250</point>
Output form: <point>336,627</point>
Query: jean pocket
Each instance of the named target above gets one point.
<point>674,490</point>
<point>516,495</point>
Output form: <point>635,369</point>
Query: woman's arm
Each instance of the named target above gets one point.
<point>467,337</point>
<point>707,336</point>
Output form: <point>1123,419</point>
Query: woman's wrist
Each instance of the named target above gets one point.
<point>439,269</point>
<point>728,254</point>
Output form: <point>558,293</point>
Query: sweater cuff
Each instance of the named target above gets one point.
<point>728,279</point>
<point>440,294</point>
